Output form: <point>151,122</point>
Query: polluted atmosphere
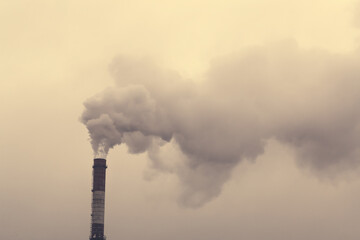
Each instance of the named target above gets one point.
<point>201,120</point>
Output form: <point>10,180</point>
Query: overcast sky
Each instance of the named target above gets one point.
<point>284,184</point>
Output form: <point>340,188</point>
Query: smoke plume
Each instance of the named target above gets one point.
<point>306,99</point>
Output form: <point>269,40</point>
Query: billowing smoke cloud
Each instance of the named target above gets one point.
<point>309,100</point>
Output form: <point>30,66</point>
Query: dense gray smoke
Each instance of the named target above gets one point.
<point>308,100</point>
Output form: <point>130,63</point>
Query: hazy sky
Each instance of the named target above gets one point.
<point>57,54</point>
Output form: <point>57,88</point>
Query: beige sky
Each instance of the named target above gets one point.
<point>56,54</point>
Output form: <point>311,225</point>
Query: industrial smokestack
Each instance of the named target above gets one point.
<point>98,200</point>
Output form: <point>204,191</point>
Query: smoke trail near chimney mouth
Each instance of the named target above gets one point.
<point>306,99</point>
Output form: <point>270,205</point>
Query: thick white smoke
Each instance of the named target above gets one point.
<point>309,100</point>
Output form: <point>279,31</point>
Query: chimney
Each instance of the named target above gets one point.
<point>98,200</point>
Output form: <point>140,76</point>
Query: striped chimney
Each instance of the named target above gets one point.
<point>98,200</point>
